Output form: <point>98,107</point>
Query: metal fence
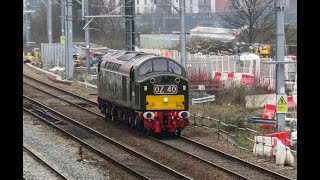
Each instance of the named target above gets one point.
<point>203,99</point>
<point>208,64</point>
<point>203,67</point>
<point>230,131</point>
<point>53,55</point>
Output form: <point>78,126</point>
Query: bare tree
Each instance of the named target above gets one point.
<point>105,31</point>
<point>291,33</point>
<point>39,24</point>
<point>255,18</point>
<point>111,31</point>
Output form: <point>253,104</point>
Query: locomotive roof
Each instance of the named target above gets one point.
<point>126,59</point>
<point>123,61</point>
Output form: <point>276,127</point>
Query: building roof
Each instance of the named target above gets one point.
<point>222,34</point>
<point>213,30</point>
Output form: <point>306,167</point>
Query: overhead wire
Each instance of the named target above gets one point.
<point>113,10</point>
<point>224,11</point>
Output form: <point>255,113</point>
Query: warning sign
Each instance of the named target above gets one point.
<point>282,106</point>
<point>62,39</point>
<point>282,101</point>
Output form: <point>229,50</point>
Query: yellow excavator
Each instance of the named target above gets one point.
<point>263,51</point>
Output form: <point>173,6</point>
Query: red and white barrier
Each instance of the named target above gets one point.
<point>273,147</point>
<point>283,155</point>
<point>282,136</point>
<point>263,146</point>
<point>248,79</point>
<point>290,102</point>
<point>217,77</point>
<point>268,113</point>
<point>230,76</point>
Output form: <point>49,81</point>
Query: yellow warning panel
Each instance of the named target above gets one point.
<point>282,106</point>
<point>282,101</point>
<point>165,102</point>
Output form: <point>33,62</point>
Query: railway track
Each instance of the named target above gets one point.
<point>209,155</point>
<point>220,159</point>
<point>38,159</point>
<point>61,93</point>
<point>126,158</point>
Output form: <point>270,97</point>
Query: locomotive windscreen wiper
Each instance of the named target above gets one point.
<point>172,69</point>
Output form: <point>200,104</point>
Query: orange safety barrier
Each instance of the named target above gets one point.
<point>168,54</point>
<point>250,79</point>
<point>230,75</point>
<point>281,136</point>
<point>247,79</point>
<point>244,78</point>
<point>217,77</point>
<point>268,113</point>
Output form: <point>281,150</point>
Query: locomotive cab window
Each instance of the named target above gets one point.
<point>145,68</point>
<point>173,67</point>
<point>160,65</point>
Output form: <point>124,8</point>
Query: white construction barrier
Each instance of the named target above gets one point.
<point>263,146</point>
<point>283,155</point>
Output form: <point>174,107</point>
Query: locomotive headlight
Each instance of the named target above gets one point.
<point>165,100</point>
<point>148,115</point>
<point>145,88</point>
<point>184,114</point>
<point>177,80</point>
<point>184,88</point>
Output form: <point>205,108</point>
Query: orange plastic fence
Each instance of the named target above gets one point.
<point>230,75</point>
<point>268,113</point>
<point>217,77</point>
<point>281,136</point>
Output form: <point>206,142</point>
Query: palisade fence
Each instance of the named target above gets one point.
<point>227,131</point>
<point>216,63</point>
<point>53,54</point>
<point>202,67</point>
